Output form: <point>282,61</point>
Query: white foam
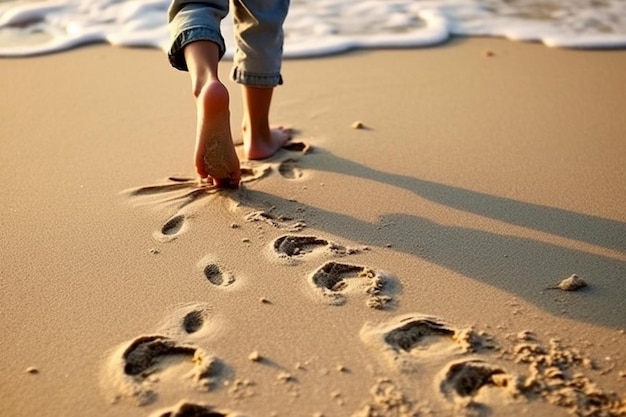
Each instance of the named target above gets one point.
<point>321,27</point>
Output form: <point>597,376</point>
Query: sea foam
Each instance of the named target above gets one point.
<point>321,27</point>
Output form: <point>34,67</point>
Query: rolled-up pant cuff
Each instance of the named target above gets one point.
<point>176,53</point>
<point>256,80</point>
<point>258,35</point>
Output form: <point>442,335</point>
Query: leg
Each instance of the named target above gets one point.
<point>260,141</point>
<point>215,155</point>
<point>257,63</point>
<point>197,46</point>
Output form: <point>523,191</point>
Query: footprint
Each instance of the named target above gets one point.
<point>173,225</point>
<point>471,385</point>
<point>215,276</point>
<point>466,378</point>
<point>132,371</point>
<point>290,245</point>
<point>293,248</point>
<point>251,171</point>
<point>334,281</point>
<point>303,147</point>
<point>410,342</point>
<point>214,273</point>
<point>415,332</point>
<point>187,409</point>
<point>193,321</point>
<point>289,169</point>
<point>279,222</point>
<point>143,352</point>
<point>172,228</point>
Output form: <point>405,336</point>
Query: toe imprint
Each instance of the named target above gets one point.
<point>298,147</point>
<point>333,281</point>
<point>289,169</point>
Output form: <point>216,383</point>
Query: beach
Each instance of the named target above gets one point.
<point>401,258</point>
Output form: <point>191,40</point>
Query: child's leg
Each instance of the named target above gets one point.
<point>259,139</point>
<point>197,46</point>
<point>215,155</point>
<point>257,64</point>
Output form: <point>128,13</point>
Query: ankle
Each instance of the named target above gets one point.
<point>258,131</point>
<point>209,85</point>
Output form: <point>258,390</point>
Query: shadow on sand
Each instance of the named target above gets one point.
<point>523,267</point>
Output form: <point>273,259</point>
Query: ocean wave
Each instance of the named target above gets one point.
<point>321,27</point>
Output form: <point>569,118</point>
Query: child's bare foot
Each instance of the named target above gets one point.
<point>215,155</point>
<point>263,144</point>
<point>259,140</point>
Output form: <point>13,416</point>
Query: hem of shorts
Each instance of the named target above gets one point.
<point>256,79</point>
<point>193,34</point>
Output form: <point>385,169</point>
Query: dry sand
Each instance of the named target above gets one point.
<point>398,269</point>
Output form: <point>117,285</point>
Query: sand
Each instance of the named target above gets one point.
<point>405,266</point>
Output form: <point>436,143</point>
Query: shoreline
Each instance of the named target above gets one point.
<point>478,182</point>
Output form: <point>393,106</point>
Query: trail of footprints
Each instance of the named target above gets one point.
<point>134,369</point>
<point>407,344</point>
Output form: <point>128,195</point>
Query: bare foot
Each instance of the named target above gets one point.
<point>261,145</point>
<point>215,156</point>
